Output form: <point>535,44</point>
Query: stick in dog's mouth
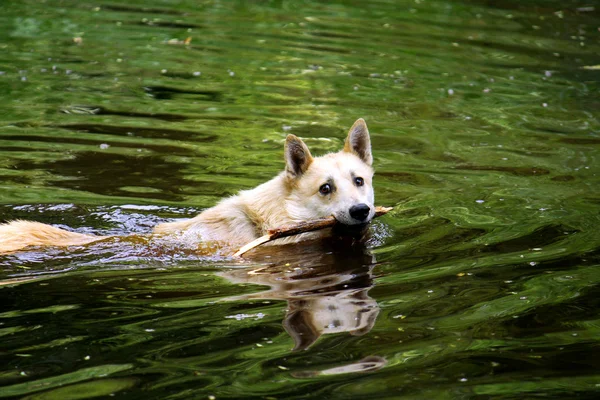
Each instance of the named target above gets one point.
<point>303,227</point>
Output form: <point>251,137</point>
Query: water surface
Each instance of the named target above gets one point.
<point>482,283</point>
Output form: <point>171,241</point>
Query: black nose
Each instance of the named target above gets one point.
<point>360,211</point>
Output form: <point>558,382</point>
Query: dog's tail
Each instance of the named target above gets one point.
<point>17,235</point>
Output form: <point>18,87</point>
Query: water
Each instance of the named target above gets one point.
<point>482,283</point>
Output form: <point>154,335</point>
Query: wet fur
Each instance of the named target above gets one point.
<point>292,196</point>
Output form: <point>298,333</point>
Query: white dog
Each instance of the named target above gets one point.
<point>338,184</point>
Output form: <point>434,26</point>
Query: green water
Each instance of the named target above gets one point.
<point>483,283</point>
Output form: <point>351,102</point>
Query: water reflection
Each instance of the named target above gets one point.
<point>367,364</point>
<point>486,122</point>
<point>326,291</point>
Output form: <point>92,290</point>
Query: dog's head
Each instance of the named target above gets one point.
<point>338,184</point>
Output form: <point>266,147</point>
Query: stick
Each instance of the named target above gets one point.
<point>302,227</point>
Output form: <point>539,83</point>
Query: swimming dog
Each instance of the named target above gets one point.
<point>338,184</point>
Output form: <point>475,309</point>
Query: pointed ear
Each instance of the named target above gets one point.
<point>358,141</point>
<point>299,326</point>
<point>371,318</point>
<point>297,156</point>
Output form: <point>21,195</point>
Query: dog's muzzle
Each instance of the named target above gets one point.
<point>360,212</point>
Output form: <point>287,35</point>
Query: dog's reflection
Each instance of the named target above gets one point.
<point>327,292</point>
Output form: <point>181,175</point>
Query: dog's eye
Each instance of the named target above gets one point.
<point>359,181</point>
<point>325,188</point>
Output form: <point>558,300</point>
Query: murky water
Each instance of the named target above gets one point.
<point>482,283</point>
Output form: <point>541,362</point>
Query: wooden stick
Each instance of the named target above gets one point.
<point>302,227</point>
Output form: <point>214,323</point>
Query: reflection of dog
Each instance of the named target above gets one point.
<point>338,184</point>
<point>321,300</point>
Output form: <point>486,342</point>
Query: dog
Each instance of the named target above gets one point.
<point>338,184</point>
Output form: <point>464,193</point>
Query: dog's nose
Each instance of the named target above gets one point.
<point>360,211</point>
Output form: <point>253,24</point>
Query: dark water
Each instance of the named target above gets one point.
<point>482,283</point>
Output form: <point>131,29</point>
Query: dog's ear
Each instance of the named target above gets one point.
<point>298,324</point>
<point>358,141</point>
<point>297,156</point>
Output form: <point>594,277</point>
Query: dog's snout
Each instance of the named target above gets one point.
<point>360,212</point>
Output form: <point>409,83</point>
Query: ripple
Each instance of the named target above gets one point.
<point>65,379</point>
